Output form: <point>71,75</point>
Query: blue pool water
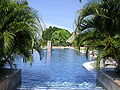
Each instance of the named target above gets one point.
<point>61,68</point>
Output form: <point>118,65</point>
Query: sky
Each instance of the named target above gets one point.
<point>59,13</point>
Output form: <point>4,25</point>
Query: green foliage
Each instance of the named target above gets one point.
<point>58,36</point>
<point>98,24</point>
<point>47,34</point>
<point>18,30</point>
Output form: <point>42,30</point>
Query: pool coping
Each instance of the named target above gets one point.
<point>109,79</point>
<point>10,79</point>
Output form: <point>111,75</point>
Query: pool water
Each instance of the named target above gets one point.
<point>60,69</point>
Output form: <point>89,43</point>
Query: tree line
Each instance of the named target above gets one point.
<point>58,36</point>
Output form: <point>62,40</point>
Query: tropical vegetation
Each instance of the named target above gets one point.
<point>98,24</point>
<point>47,33</point>
<point>58,36</point>
<point>19,27</point>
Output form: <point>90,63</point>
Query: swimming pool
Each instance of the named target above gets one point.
<point>60,69</point>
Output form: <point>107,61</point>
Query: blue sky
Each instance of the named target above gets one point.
<point>60,13</point>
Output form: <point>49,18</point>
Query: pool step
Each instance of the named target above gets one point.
<point>59,88</point>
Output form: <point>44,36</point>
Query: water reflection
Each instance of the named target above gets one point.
<point>59,68</point>
<point>48,59</point>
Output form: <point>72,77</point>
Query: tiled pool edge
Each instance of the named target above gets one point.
<point>11,81</point>
<point>108,82</point>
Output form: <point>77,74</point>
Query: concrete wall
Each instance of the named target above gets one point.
<point>108,79</point>
<point>10,79</point>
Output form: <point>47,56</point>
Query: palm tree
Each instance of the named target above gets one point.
<point>18,29</point>
<point>101,18</point>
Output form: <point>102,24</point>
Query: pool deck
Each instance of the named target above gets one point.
<point>89,65</point>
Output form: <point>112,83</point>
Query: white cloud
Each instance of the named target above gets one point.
<point>49,24</point>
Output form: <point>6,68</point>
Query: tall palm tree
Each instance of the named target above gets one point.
<point>18,29</point>
<point>101,18</point>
